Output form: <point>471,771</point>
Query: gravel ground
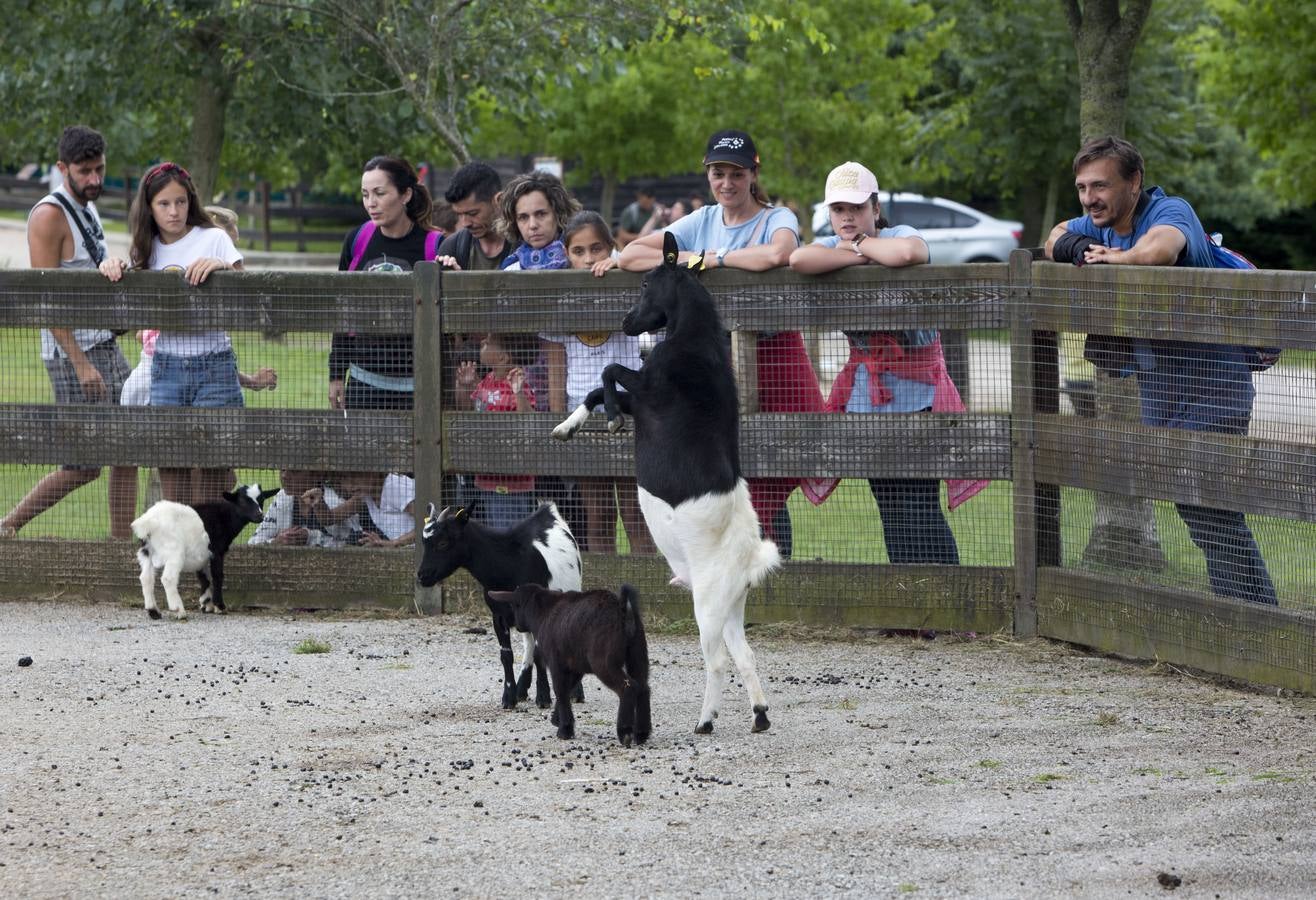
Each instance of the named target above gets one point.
<point>143,759</point>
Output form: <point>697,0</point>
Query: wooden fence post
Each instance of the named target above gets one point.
<point>265,211</point>
<point>1023,440</point>
<point>299,223</point>
<point>427,362</point>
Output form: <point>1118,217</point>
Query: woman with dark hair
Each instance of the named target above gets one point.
<point>743,230</point>
<point>373,371</point>
<point>171,232</point>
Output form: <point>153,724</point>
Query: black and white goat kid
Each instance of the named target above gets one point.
<point>176,538</point>
<point>539,549</point>
<point>589,633</point>
<point>687,465</point>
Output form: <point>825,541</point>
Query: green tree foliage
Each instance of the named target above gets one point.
<point>1257,64</point>
<point>442,55</point>
<point>814,84</point>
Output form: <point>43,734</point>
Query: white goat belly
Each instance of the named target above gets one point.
<point>709,535</point>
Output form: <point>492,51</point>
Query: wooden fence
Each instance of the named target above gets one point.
<point>1032,445</point>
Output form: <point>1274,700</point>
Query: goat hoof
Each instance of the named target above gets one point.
<point>761,722</point>
<point>641,737</point>
<point>704,727</point>
<point>543,702</point>
<point>566,733</point>
<point>616,425</point>
<point>180,616</point>
<point>153,613</point>
<point>509,697</point>
<point>625,737</point>
<point>564,434</point>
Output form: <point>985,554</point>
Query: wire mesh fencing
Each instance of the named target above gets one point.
<point>930,447</point>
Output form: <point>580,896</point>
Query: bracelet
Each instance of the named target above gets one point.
<point>857,243</point>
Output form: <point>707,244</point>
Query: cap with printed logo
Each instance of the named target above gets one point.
<point>850,183</point>
<point>734,147</point>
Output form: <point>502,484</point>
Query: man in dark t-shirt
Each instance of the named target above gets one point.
<point>475,245</point>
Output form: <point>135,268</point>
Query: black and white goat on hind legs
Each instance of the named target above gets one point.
<point>687,466</point>
<point>177,538</point>
<point>539,549</point>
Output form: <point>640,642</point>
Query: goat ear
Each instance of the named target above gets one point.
<point>670,250</point>
<point>265,495</point>
<point>503,596</point>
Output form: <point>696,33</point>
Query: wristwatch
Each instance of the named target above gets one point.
<point>720,255</point>
<point>854,245</point>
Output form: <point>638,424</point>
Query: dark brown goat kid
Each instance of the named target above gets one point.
<point>589,633</point>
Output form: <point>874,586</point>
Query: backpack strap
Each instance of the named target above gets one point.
<point>432,239</point>
<point>363,236</point>
<point>92,246</point>
<point>461,249</point>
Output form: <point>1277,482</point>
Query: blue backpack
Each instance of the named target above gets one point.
<point>1224,258</point>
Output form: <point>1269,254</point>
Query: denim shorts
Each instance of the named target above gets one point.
<point>209,381</point>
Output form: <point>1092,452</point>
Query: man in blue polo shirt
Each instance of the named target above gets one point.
<point>1181,384</point>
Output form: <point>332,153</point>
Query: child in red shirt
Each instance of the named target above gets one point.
<point>501,500</point>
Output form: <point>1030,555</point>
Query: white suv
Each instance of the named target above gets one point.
<point>955,233</point>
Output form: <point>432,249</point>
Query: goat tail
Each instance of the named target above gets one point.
<point>637,645</point>
<point>765,561</point>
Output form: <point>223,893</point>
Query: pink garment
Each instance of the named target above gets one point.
<point>148,337</point>
<point>926,365</point>
<point>786,383</point>
<point>496,395</point>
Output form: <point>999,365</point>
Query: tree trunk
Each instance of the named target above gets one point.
<point>1049,207</point>
<point>1104,40</point>
<point>1123,528</point>
<point>608,198</point>
<point>211,91</point>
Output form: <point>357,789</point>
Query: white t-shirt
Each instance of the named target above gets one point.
<point>198,243</point>
<point>390,514</point>
<point>279,518</point>
<point>587,353</point>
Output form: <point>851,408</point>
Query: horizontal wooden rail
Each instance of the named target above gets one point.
<point>956,445</point>
<point>1250,641</point>
<point>268,301</point>
<point>1232,306</point>
<point>1252,475</point>
<point>952,297</point>
<point>93,435</point>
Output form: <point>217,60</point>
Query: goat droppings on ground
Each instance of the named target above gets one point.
<point>24,661</point>
<point>311,645</point>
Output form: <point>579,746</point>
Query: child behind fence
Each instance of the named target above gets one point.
<point>889,372</point>
<point>575,367</point>
<point>502,500</point>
